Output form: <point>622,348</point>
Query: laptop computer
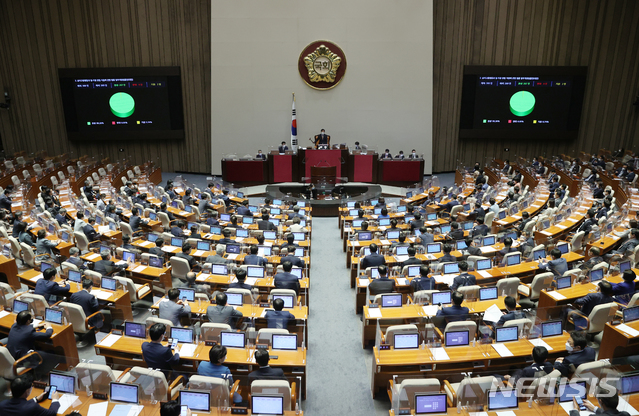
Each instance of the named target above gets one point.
<point>247,220</point>
<point>204,245</point>
<point>572,389</point>
<point>128,257</point>
<point>176,241</point>
<point>413,271</point>
<point>502,399</point>
<point>488,241</point>
<point>232,339</point>
<point>461,245</point>
<point>431,404</point>
<point>264,251</point>
<point>134,329</point>
<point>19,306</point>
<point>445,229</point>
<point>630,314</point>
<point>392,234</point>
<point>365,236</point>
<point>274,221</point>
<point>196,400</point>
<point>563,248</point>
<point>225,217</point>
<point>108,283</point>
<point>488,293</point>
<point>596,275</point>
<point>270,235</point>
<point>392,301</point>
<point>353,212</point>
<point>155,261</point>
<point>297,272</point>
<point>357,223</point>
<point>183,335</point>
<point>507,334</point>
<point>564,282</point>
<point>241,233</point>
<point>629,384</point>
<point>513,260</point>
<point>53,315</point>
<point>219,269</point>
<point>431,216</point>
<point>75,276</point>
<point>384,222</point>
<point>451,268</point>
<point>404,341</point>
<point>234,299</point>
<point>456,339</point>
<point>267,404</point>
<point>551,329</point>
<point>276,211</point>
<point>44,266</point>
<point>152,237</point>
<point>289,300</point>
<point>284,342</point>
<point>539,254</point>
<point>255,271</point>
<point>187,294</point>
<point>483,264</point>
<point>122,392</point>
<point>215,230</point>
<point>444,298</point>
<point>433,248</point>
<point>624,265</point>
<point>401,208</point>
<point>63,382</point>
<point>401,251</point>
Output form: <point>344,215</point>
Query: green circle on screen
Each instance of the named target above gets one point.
<point>122,104</point>
<point>522,103</point>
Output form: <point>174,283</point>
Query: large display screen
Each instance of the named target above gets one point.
<point>122,103</point>
<point>521,102</point>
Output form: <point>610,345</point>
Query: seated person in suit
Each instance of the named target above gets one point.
<point>425,236</point>
<point>23,234</point>
<point>290,242</point>
<point>289,255</point>
<point>413,155</point>
<point>447,257</point>
<point>18,405</point>
<point>623,291</point>
<point>383,213</point>
<point>471,248</point>
<point>282,148</point>
<point>173,308</point>
<point>417,223</point>
<point>626,247</point>
<point>525,219</point>
<point>595,259</point>
<point>157,250</point>
<point>465,278</point>
<point>455,232</point>
<point>296,213</point>
<point>88,303</point>
<point>240,275</point>
<point>226,237</point>
<point>74,258</point>
<point>106,266</point>
<point>512,312</point>
<point>372,259</point>
<point>205,205</point>
<point>214,368</point>
<point>90,232</point>
<point>578,353</point>
<point>23,335</point>
<point>382,284</point>
<point>608,403</point>
<point>212,219</point>
<point>135,221</point>
<point>508,248</point>
<point>401,240</point>
<point>587,303</point>
<point>243,209</point>
<point>260,155</point>
<point>47,287</point>
<point>423,281</point>
<point>233,223</point>
<point>480,229</point>
<point>540,367</point>
<point>411,260</point>
<point>278,318</point>
<point>61,217</point>
<point>450,204</point>
<point>186,249</point>
<point>126,243</point>
<point>43,245</point>
<point>296,227</point>
<point>456,312</point>
<point>195,232</point>
<point>265,225</point>
<point>218,258</point>
<point>558,265</point>
<point>221,313</point>
<point>253,259</point>
<point>157,355</point>
<point>287,280</point>
<point>386,155</point>
<point>265,372</point>
<point>381,203</point>
<point>400,155</point>
<point>590,220</point>
<point>178,228</point>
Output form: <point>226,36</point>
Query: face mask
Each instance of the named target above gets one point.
<point>569,347</point>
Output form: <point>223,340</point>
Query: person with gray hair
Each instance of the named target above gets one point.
<point>106,266</point>
<point>218,258</point>
<point>61,217</point>
<point>297,227</point>
<point>74,258</point>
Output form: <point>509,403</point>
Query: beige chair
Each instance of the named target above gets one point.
<point>489,218</point>
<point>136,291</point>
<point>80,322</point>
<point>211,331</point>
<point>470,292</point>
<point>126,229</point>
<point>577,240</point>
<point>456,210</point>
<point>161,390</point>
<point>423,297</point>
<point>508,286</point>
<point>97,377</point>
<point>10,368</point>
<point>282,292</point>
<point>179,267</point>
<point>402,395</point>
<point>152,320</point>
<point>265,335</point>
<point>81,241</point>
<point>7,294</point>
<point>634,301</point>
<point>592,372</point>
<point>466,391</point>
<point>389,335</point>
<point>599,316</point>
<point>540,282</point>
<point>217,387</point>
<point>16,250</point>
<point>470,326</point>
<point>37,303</point>
<point>278,387</point>
<point>524,325</point>
<point>95,277</point>
<point>509,255</point>
<point>164,219</point>
<point>66,266</point>
<point>28,256</point>
<point>247,295</point>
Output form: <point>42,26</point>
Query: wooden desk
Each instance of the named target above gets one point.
<point>616,343</point>
<point>10,269</point>
<point>62,341</point>
<point>481,358</point>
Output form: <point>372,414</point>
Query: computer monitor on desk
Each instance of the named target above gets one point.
<point>187,294</point>
<point>232,339</point>
<point>502,399</point>
<point>284,342</point>
<point>64,383</point>
<point>450,268</point>
<point>53,315</point>
<point>196,400</point>
<point>134,329</point>
<point>241,233</point>
<point>431,404</point>
<point>488,241</point>
<point>384,222</point>
<point>629,384</point>
<point>219,269</point>
<point>183,335</point>
<point>267,404</point>
<point>624,265</point>
<point>461,245</point>
<point>255,271</point>
<point>483,264</point>
<point>289,300</point>
<point>551,329</point>
<point>539,254</point>
<point>392,234</point>
<point>456,339</point>
<point>443,298</point>
<point>413,271</point>
<point>270,235</point>
<point>365,236</point>
<point>567,391</point>
<point>630,314</point>
<point>488,293</point>
<point>122,392</point>
<point>596,275</point>
<point>234,299</point>
<point>392,300</point>
<point>19,306</point>
<point>506,333</point>
<point>513,260</point>
<point>75,276</point>
<point>564,248</point>
<point>404,341</point>
<point>564,282</point>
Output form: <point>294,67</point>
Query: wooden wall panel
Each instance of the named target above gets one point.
<point>39,36</point>
<point>600,34</point>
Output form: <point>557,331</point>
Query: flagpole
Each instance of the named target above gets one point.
<point>294,127</point>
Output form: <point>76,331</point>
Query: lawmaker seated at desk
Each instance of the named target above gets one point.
<point>456,312</point>
<point>49,288</point>
<point>18,405</point>
<point>607,402</point>
<point>587,303</point>
<point>382,284</point>
<point>157,355</point>
<point>558,265</point>
<point>221,313</point>
<point>539,368</point>
<point>106,266</point>
<point>465,278</point>
<point>173,308</point>
<point>386,155</point>
<point>578,353</point>
<point>23,335</point>
<point>214,368</point>
<point>265,372</point>
<point>423,281</point>
<point>278,318</point>
<point>285,279</point>
<point>500,256</point>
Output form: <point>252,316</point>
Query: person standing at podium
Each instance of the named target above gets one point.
<point>283,148</point>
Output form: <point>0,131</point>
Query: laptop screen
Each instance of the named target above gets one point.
<point>134,329</point>
<point>426,404</point>
<point>264,251</point>
<point>53,316</point>
<point>121,392</point>
<point>247,220</point>
<point>402,251</point>
<point>507,334</point>
<point>289,300</point>
<point>457,338</point>
<point>564,282</point>
<point>241,233</point>
<point>461,245</point>
<point>44,266</point>
<point>301,203</point>
<point>240,194</point>
<point>631,314</point>
<point>596,275</point>
<point>433,248</point>
<point>225,217</point>
<point>468,225</point>
<point>413,271</point>
<point>450,268</point>
<point>357,223</point>
<point>377,211</point>
<point>277,202</point>
<point>350,204</point>
<point>406,341</point>
<point>253,271</point>
<point>128,256</point>
<point>108,283</point>
<point>510,235</point>
<point>401,208</point>
<point>232,339</point>
<point>539,254</point>
<point>253,208</point>
<point>297,272</point>
<point>195,400</point>
<point>235,299</point>
<point>284,342</point>
<point>374,272</point>
<point>270,235</point>
<point>276,211</point>
<point>19,306</point>
<point>233,249</point>
<point>184,335</point>
<point>353,212</point>
<point>188,294</point>
<point>502,215</point>
<point>563,248</point>
<point>64,383</point>
<point>299,252</point>
<point>176,242</point>
<point>431,217</point>
<point>513,260</point>
<point>75,276</point>
<point>274,221</point>
<point>262,404</point>
<point>488,241</point>
<point>64,236</point>
<point>203,245</point>
<point>155,262</point>
<point>574,388</point>
<point>153,216</point>
<point>392,234</point>
<point>483,264</point>
<point>215,230</point>
<point>392,301</point>
<point>445,228</point>
<point>152,237</point>
<point>624,265</point>
<point>629,384</point>
<point>488,293</point>
<point>365,236</point>
<point>409,194</point>
<point>384,222</point>
<point>502,399</point>
<point>219,269</point>
<point>441,297</point>
<point>551,329</point>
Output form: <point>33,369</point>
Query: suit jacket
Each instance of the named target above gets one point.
<point>22,338</point>
<point>89,305</point>
<point>77,261</point>
<point>457,234</point>
<point>192,261</point>
<point>586,226</point>
<point>44,246</point>
<point>557,267</point>
<point>295,261</point>
<point>284,280</point>
<point>266,373</point>
<point>156,251</point>
<point>254,260</point>
<point>586,355</point>
<point>243,211</point>
<point>239,285</point>
<point>279,319</point>
<point>5,202</point>
<point>159,356</point>
<point>26,238</point>
<point>381,285</point>
<point>591,300</point>
<point>15,233</point>
<point>627,246</point>
<point>47,288</point>
<point>416,224</point>
<point>453,313</point>
<point>177,231</point>
<point>223,315</point>
<point>266,226</point>
<point>447,258</point>
<point>23,407</point>
<point>422,283</point>
<point>104,267</point>
<point>282,149</point>
<point>135,222</point>
<point>474,251</point>
<point>90,233</point>
<point>600,411</point>
<point>173,311</point>
<point>510,316</point>
<point>372,260</point>
<point>386,156</point>
<point>216,259</point>
<point>449,205</point>
<point>427,238</point>
<point>61,219</point>
<point>464,279</point>
<point>411,261</point>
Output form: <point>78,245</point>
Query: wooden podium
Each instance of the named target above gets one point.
<point>326,174</point>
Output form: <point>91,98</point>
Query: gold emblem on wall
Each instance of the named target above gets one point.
<point>322,65</point>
